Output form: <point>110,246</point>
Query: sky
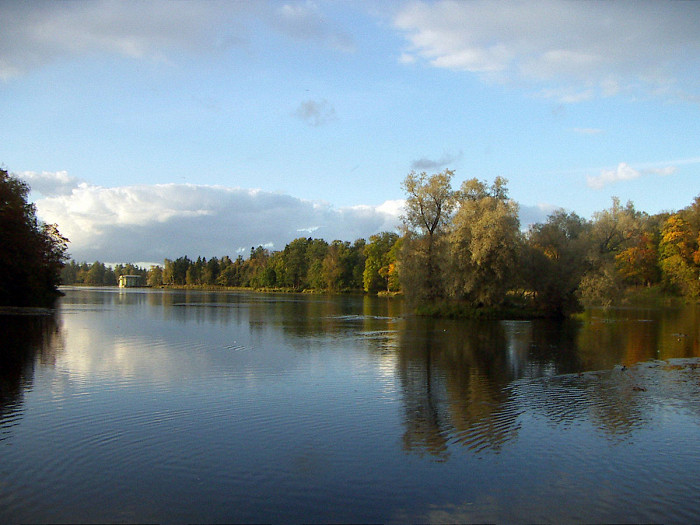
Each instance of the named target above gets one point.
<point>152,130</point>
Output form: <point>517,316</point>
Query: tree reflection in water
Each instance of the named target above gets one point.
<point>454,380</point>
<point>466,382</point>
<point>26,340</point>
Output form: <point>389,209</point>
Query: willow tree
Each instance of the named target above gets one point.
<point>430,201</point>
<point>484,243</point>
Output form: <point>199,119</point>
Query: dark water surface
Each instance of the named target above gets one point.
<point>203,407</point>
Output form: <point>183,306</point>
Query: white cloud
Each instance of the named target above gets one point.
<point>150,223</point>
<point>668,170</point>
<point>50,183</point>
<point>304,21</point>
<point>576,50</point>
<point>35,34</point>
<point>625,172</point>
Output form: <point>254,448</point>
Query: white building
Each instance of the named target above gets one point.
<point>129,281</point>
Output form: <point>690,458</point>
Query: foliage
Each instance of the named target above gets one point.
<point>639,262</point>
<point>680,253</point>
<point>462,253</point>
<point>612,232</point>
<point>99,274</point>
<point>484,244</point>
<point>430,201</point>
<point>554,262</point>
<point>380,264</point>
<point>32,253</point>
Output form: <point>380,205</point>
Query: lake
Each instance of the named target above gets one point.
<point>209,407</point>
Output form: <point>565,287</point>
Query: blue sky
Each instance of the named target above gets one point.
<point>159,129</point>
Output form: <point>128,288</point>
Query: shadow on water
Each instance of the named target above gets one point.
<point>26,341</point>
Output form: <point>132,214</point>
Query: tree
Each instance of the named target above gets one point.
<point>354,265</point>
<point>295,263</point>
<point>179,270</point>
<point>211,271</point>
<point>96,274</point>
<point>332,265</point>
<point>316,250</point>
<point>612,232</point>
<point>679,248</point>
<point>257,267</point>
<point>484,244</point>
<point>232,274</point>
<point>429,204</point>
<point>69,273</point>
<point>554,261</point>
<point>155,276</point>
<point>32,254</point>
<point>638,264</point>
<point>380,261</point>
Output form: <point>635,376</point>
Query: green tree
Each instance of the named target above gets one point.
<point>109,278</point>
<point>380,261</point>
<point>69,273</point>
<point>155,276</point>
<point>211,271</point>
<point>32,253</point>
<point>316,250</point>
<point>232,274</point>
<point>257,275</point>
<point>332,265</point>
<point>179,270</point>
<point>554,261</point>
<point>354,265</point>
<point>295,263</point>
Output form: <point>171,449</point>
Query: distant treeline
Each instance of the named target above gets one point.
<point>462,252</point>
<point>304,264</point>
<point>99,274</point>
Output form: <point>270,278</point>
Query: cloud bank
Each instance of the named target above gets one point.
<point>35,34</point>
<point>51,184</point>
<point>153,222</point>
<point>573,51</point>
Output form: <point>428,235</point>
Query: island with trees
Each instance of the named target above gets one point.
<point>462,253</point>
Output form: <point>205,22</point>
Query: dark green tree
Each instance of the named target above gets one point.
<point>32,253</point>
<point>554,261</point>
<point>380,261</point>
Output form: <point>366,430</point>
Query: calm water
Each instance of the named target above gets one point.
<point>181,407</point>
